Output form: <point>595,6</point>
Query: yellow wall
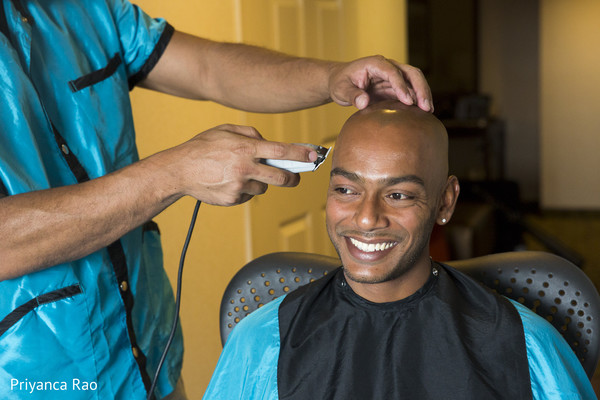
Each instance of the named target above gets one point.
<point>219,246</point>
<point>164,121</point>
<point>570,99</point>
<point>377,27</point>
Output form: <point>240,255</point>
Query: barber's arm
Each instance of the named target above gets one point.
<point>220,166</point>
<point>260,80</point>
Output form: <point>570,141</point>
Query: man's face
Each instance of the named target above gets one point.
<point>384,196</point>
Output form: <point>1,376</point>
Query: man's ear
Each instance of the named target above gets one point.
<point>449,198</point>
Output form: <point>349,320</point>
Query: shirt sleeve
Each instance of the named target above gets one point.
<point>554,369</point>
<point>247,367</point>
<point>143,39</point>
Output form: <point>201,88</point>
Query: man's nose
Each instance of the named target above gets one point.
<point>370,214</point>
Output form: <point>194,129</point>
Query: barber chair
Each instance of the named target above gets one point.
<point>550,285</point>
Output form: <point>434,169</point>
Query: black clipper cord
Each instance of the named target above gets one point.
<point>177,300</point>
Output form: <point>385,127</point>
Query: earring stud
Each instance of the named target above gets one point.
<point>444,220</point>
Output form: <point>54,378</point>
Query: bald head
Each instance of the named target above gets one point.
<point>393,130</point>
<point>394,111</point>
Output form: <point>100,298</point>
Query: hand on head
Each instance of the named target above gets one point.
<point>371,79</point>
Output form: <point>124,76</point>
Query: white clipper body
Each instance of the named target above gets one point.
<point>298,166</point>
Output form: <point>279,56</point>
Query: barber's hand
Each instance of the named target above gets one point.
<point>222,165</point>
<point>375,78</point>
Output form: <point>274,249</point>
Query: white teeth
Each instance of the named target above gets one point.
<point>371,247</point>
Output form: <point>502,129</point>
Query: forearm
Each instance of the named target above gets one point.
<point>259,80</point>
<point>45,228</point>
<point>220,166</point>
<point>240,76</point>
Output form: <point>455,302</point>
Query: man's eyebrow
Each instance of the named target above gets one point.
<point>346,174</point>
<point>354,177</point>
<point>403,179</point>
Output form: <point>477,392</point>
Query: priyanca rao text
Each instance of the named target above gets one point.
<point>43,386</point>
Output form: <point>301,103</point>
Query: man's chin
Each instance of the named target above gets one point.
<point>367,273</point>
<point>364,280</point>
<point>379,271</point>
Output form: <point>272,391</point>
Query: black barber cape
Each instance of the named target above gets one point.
<point>452,339</point>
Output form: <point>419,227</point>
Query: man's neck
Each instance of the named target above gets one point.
<point>397,289</point>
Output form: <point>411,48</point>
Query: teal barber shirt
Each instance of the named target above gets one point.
<point>94,328</point>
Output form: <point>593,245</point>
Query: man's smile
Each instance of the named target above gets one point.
<point>369,250</point>
<point>372,246</point>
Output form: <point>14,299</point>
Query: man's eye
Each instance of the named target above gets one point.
<point>399,196</point>
<point>343,190</point>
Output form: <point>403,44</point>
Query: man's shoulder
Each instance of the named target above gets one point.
<point>462,291</point>
<point>260,319</point>
<point>553,366</point>
<point>534,326</point>
<point>253,345</point>
<point>475,291</point>
<point>308,292</point>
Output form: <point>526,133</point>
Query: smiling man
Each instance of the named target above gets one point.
<point>389,186</point>
<point>391,323</point>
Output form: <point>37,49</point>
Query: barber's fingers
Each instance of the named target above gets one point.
<point>369,79</point>
<point>285,151</point>
<point>274,176</point>
<point>354,82</point>
<point>258,149</point>
<point>244,130</point>
<point>406,82</point>
<point>255,188</point>
<point>251,189</point>
<point>261,148</point>
<point>417,85</point>
<point>224,165</point>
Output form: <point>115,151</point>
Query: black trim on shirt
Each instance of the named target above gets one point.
<point>4,191</point>
<point>115,250</point>
<point>96,76</point>
<point>158,51</point>
<point>3,21</point>
<point>23,11</point>
<point>117,258</point>
<point>150,226</point>
<point>119,262</point>
<point>80,173</point>
<point>14,316</point>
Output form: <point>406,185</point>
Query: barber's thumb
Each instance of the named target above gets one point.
<point>361,100</point>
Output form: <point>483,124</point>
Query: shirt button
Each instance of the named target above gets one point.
<point>135,352</point>
<point>64,149</point>
<point>124,286</point>
<point>24,19</point>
